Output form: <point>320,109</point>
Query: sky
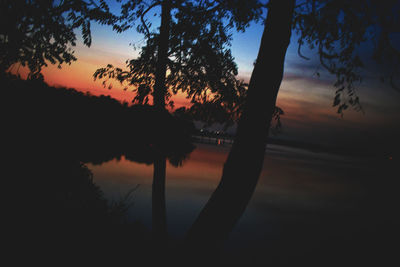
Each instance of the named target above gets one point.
<point>305,98</point>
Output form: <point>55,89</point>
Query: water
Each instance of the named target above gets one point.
<point>187,187</point>
<point>302,199</point>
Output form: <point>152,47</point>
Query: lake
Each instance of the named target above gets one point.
<point>304,201</point>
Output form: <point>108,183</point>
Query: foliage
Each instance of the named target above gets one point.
<point>237,13</point>
<point>338,29</point>
<point>200,63</point>
<point>35,33</point>
<point>92,128</point>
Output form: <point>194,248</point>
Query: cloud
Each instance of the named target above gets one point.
<point>309,114</point>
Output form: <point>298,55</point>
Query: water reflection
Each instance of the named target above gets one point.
<point>54,132</point>
<point>197,178</point>
<point>305,203</point>
<point>312,206</point>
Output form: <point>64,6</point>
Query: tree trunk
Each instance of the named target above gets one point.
<point>162,56</point>
<point>242,169</point>
<point>159,218</point>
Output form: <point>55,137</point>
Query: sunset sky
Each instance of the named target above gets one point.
<point>305,98</point>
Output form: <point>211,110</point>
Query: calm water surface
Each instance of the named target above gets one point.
<point>298,191</point>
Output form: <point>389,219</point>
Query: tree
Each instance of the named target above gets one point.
<point>198,60</point>
<point>189,54</point>
<point>337,29</point>
<point>35,33</point>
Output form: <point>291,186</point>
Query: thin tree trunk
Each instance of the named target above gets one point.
<point>162,56</point>
<point>242,169</point>
<point>159,218</point>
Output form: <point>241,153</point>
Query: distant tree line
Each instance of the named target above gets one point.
<point>51,133</point>
<point>88,126</point>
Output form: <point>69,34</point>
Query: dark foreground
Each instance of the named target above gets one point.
<point>308,209</point>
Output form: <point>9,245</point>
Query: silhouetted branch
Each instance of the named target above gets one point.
<point>144,13</point>
<point>299,52</point>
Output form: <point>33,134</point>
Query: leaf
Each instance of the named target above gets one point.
<point>336,101</point>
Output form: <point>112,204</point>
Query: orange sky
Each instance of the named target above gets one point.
<point>305,99</point>
<point>79,74</point>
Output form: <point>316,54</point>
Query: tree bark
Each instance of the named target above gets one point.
<point>159,218</point>
<point>242,169</point>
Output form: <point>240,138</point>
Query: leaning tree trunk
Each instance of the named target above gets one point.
<point>242,169</point>
<point>159,218</point>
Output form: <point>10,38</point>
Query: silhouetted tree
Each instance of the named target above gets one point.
<point>197,64</point>
<point>38,32</point>
<point>337,29</point>
<point>189,54</point>
<point>198,60</point>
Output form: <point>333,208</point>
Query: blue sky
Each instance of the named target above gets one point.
<point>306,99</point>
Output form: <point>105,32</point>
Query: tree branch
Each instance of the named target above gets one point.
<point>299,52</point>
<point>145,12</point>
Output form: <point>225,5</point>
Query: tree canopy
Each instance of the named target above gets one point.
<point>199,61</point>
<point>36,33</point>
<point>339,30</point>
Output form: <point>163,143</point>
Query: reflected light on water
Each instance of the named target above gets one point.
<point>187,187</point>
<point>297,188</point>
